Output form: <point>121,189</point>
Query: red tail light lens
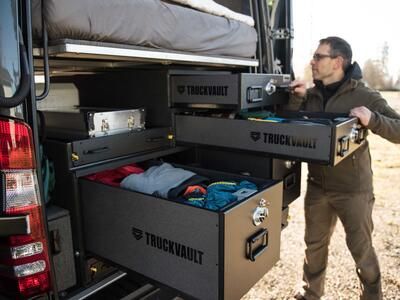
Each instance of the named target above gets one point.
<point>15,145</point>
<point>24,261</point>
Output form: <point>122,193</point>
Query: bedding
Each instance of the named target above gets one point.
<point>151,23</point>
<point>211,7</point>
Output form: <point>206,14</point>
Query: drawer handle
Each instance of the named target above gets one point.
<point>55,242</point>
<point>344,146</point>
<point>254,94</point>
<point>252,254</point>
<point>289,181</point>
<point>96,151</point>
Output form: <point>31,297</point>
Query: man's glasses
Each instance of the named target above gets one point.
<point>318,56</point>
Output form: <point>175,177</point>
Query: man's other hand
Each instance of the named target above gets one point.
<point>298,88</point>
<point>362,113</point>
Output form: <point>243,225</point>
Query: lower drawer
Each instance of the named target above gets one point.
<point>202,253</point>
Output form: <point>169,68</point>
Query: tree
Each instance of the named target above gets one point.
<point>375,72</point>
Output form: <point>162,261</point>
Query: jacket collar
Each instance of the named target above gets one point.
<point>350,81</point>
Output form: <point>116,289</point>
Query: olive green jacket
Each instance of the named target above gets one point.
<point>353,174</point>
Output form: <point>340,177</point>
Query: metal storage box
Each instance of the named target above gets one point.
<point>202,253</point>
<point>82,152</point>
<point>300,140</point>
<point>78,123</point>
<point>237,91</point>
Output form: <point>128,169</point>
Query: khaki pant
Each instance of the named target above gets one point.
<point>322,209</point>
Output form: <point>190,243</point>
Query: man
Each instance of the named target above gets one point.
<point>344,191</point>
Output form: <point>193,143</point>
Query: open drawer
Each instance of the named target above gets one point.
<point>203,253</point>
<point>327,141</point>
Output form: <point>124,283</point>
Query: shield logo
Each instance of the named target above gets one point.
<point>255,135</point>
<point>137,233</point>
<point>181,89</point>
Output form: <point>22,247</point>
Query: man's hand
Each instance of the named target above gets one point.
<point>362,113</point>
<point>298,88</point>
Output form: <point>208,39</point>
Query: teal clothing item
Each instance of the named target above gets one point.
<point>220,193</point>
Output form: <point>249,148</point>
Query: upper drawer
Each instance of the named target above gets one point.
<point>305,140</point>
<point>203,253</point>
<point>94,150</point>
<point>237,91</point>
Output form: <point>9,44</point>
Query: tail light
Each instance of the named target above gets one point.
<point>24,260</point>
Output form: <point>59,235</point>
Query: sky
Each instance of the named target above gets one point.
<point>365,24</point>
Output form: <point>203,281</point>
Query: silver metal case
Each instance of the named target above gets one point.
<point>80,123</point>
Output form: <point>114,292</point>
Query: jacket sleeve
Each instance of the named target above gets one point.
<point>385,121</point>
<point>295,103</point>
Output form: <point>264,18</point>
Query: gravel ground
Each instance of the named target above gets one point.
<point>284,279</point>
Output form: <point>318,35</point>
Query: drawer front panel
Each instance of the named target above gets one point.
<point>241,272</point>
<point>306,142</point>
<point>97,149</point>
<point>240,91</point>
<point>172,243</point>
<point>349,137</point>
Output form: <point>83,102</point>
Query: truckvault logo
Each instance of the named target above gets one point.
<point>137,233</point>
<point>181,89</point>
<point>203,90</point>
<point>169,246</point>
<point>255,136</point>
<point>284,139</point>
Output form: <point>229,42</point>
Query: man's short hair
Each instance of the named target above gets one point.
<point>339,47</point>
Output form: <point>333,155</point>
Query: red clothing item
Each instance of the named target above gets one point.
<point>115,176</point>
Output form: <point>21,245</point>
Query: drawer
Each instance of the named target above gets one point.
<point>300,140</point>
<point>114,146</point>
<point>237,91</point>
<point>202,253</point>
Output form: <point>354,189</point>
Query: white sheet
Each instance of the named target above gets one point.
<point>211,7</point>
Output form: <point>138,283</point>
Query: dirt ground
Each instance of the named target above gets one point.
<point>284,279</point>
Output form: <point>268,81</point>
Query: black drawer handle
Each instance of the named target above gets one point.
<point>96,151</point>
<point>254,94</point>
<point>344,146</point>
<point>55,241</point>
<point>289,181</point>
<point>252,254</point>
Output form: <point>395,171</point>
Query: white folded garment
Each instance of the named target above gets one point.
<point>211,7</point>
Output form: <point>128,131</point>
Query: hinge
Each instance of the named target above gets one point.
<point>282,33</point>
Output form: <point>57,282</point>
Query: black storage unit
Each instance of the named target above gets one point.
<point>60,238</point>
<point>302,139</point>
<point>202,253</point>
<point>95,150</point>
<point>237,91</point>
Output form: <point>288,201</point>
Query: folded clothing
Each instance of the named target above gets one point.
<point>115,176</point>
<point>219,194</point>
<point>157,180</point>
<point>177,192</point>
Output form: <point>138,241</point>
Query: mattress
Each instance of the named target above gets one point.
<point>150,23</point>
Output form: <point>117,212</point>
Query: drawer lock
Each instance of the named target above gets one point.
<point>357,134</point>
<point>261,237</point>
<point>270,88</point>
<point>260,213</point>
